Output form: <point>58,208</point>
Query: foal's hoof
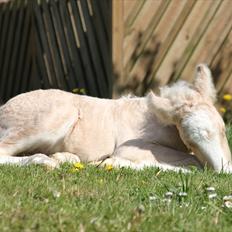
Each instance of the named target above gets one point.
<point>42,159</point>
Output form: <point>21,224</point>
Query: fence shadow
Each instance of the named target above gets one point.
<point>133,83</point>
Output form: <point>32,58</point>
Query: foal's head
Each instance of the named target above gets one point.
<point>191,109</point>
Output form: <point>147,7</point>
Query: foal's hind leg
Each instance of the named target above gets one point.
<point>15,141</point>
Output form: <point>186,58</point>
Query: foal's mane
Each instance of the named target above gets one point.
<point>180,92</point>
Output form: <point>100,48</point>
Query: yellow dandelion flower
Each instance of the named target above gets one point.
<point>108,167</point>
<point>76,90</point>
<point>227,97</point>
<point>222,109</point>
<point>79,166</point>
<point>82,91</point>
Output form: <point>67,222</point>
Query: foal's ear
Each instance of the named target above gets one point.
<point>203,82</point>
<point>161,107</point>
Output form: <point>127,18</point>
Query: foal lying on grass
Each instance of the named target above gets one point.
<point>51,127</point>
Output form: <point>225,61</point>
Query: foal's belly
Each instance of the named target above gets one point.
<point>91,147</point>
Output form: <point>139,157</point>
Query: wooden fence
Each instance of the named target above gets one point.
<point>67,44</point>
<point>63,44</point>
<point>158,41</point>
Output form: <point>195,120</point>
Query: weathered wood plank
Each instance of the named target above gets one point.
<point>133,14</point>
<point>145,38</point>
<point>210,42</point>
<point>221,63</point>
<point>227,87</point>
<point>196,38</point>
<point>133,36</point>
<point>176,41</point>
<point>173,33</point>
<point>172,20</point>
<point>129,5</point>
<point>117,40</point>
<point>174,54</point>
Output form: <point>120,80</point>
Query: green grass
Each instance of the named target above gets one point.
<point>94,199</point>
<point>35,199</point>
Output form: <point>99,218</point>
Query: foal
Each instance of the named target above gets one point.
<point>181,127</point>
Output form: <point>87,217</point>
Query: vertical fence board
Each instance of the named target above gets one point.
<point>104,11</point>
<point>15,50</point>
<point>4,34</point>
<point>9,48</point>
<point>64,55</point>
<point>77,66</point>
<point>53,45</point>
<point>103,45</point>
<point>94,48</point>
<point>84,51</point>
<point>22,52</point>
<point>42,36</point>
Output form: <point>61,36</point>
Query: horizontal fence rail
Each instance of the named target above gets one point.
<point>63,44</point>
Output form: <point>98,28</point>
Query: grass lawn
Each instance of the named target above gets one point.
<point>95,199</point>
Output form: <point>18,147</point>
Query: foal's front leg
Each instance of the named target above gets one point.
<point>118,162</point>
<point>138,154</point>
